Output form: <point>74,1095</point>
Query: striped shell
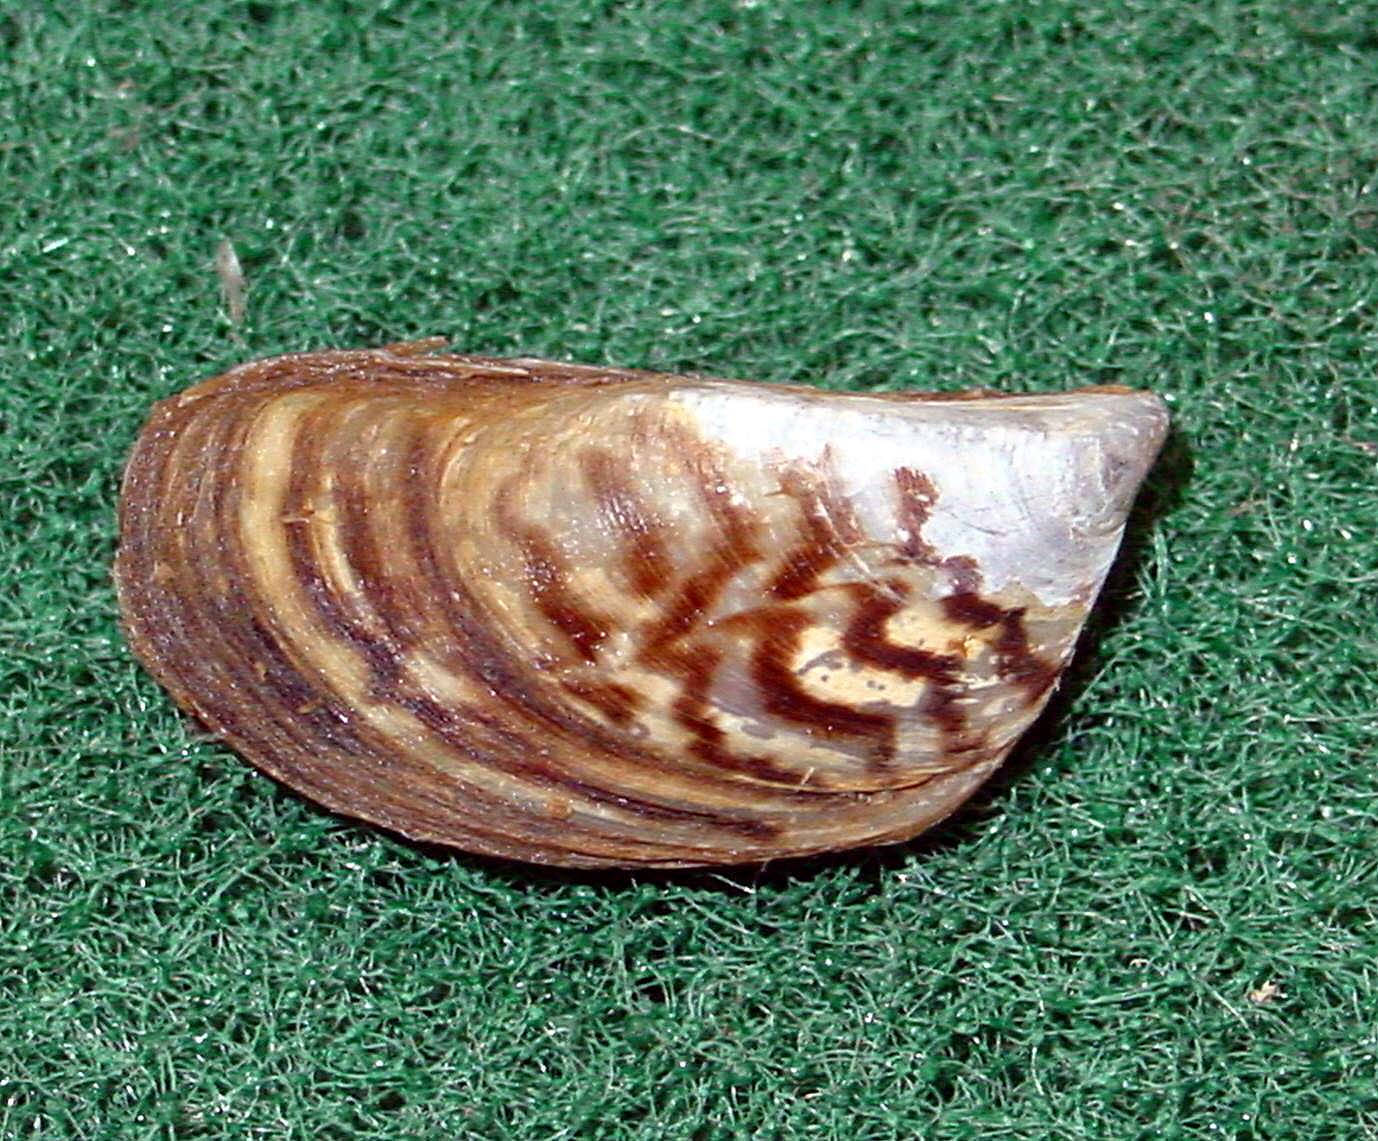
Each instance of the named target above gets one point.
<point>589,617</point>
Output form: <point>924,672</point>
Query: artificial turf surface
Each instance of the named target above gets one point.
<point>1159,920</point>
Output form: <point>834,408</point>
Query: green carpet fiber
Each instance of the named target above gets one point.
<point>1158,921</point>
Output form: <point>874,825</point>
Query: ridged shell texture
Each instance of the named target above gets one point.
<point>589,617</point>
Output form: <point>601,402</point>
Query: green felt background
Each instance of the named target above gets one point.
<point>1159,921</point>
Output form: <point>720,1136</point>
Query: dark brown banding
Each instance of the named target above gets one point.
<point>972,610</point>
<point>669,644</point>
<point>686,610</point>
<point>917,495</point>
<point>454,728</point>
<point>546,578</point>
<point>618,703</point>
<point>826,528</point>
<point>238,679</point>
<point>940,705</point>
<point>356,539</point>
<point>696,666</point>
<point>645,561</point>
<point>777,634</point>
<point>866,641</point>
<point>509,686</point>
<point>737,531</point>
<point>1015,659</point>
<point>732,548</point>
<point>465,729</point>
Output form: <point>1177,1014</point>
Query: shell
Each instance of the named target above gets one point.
<point>584,616</point>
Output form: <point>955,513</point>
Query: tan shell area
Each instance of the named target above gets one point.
<point>592,617</point>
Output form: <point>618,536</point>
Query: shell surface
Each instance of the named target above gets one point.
<point>585,616</point>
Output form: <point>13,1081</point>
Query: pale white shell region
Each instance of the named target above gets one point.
<point>1033,490</point>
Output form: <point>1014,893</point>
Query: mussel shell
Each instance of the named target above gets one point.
<point>589,616</point>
